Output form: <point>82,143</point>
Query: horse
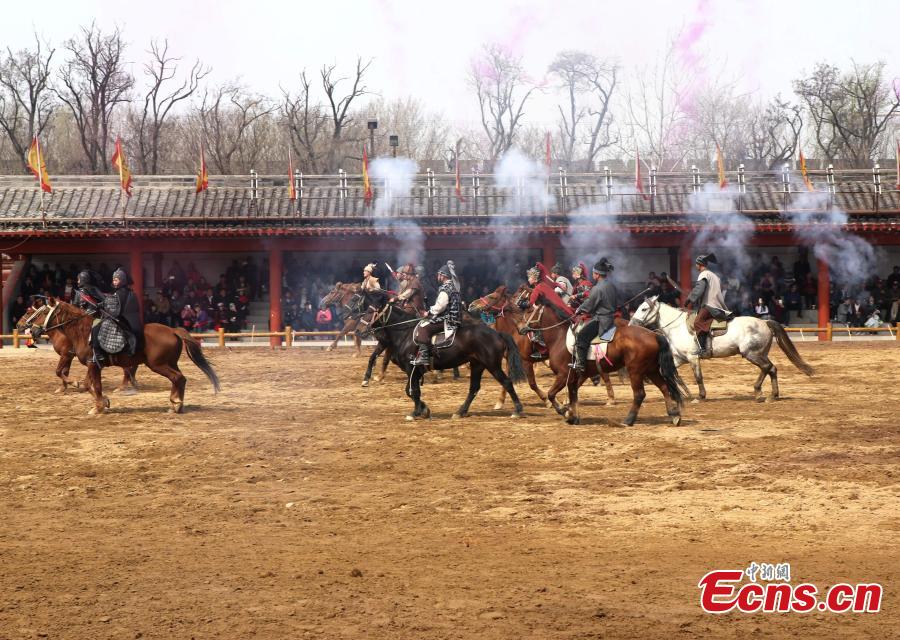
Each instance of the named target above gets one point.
<point>347,297</point>
<point>66,351</point>
<point>751,337</point>
<point>473,343</point>
<point>508,316</point>
<point>160,350</point>
<point>643,353</point>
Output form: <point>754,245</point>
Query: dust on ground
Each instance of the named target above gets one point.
<point>296,504</point>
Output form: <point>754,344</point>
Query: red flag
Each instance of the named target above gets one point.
<point>459,194</point>
<point>121,163</point>
<point>367,186</point>
<point>548,152</point>
<point>292,189</point>
<point>720,168</point>
<point>638,180</point>
<point>803,172</point>
<point>203,174</point>
<point>37,165</point>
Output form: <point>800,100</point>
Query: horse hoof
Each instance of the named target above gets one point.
<point>365,383</point>
<point>426,413</point>
<point>760,398</point>
<point>59,390</point>
<point>128,392</point>
<point>695,401</point>
<point>548,404</point>
<point>610,403</point>
<point>517,414</point>
<point>573,420</point>
<point>96,411</point>
<point>498,406</point>
<point>459,416</point>
<point>676,421</point>
<point>410,417</point>
<point>378,378</point>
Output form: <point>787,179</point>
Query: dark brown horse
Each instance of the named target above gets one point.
<point>160,351</point>
<point>643,353</point>
<point>66,351</point>
<point>473,343</point>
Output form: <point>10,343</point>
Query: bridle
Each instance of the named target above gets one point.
<point>29,322</point>
<point>654,318</point>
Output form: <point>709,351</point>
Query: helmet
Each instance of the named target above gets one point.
<point>420,271</point>
<point>556,269</point>
<point>444,271</point>
<point>705,260</point>
<point>603,266</point>
<point>84,279</point>
<point>580,268</point>
<point>121,275</point>
<point>369,267</point>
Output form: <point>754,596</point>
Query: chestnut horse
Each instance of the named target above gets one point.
<point>66,351</point>
<point>160,351</point>
<point>643,353</point>
<point>348,299</point>
<point>508,316</point>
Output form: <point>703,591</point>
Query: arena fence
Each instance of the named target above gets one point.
<point>289,336</point>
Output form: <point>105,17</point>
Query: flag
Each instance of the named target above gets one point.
<point>547,159</point>
<point>459,194</point>
<point>806,180</point>
<point>203,174</point>
<point>121,163</point>
<point>720,167</point>
<point>367,186</point>
<point>292,188</point>
<point>638,180</point>
<point>38,166</point>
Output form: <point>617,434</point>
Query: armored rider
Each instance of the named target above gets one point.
<point>600,306</point>
<point>409,284</point>
<point>563,286</point>
<point>582,285</point>
<point>370,282</point>
<point>709,301</point>
<point>445,312</point>
<point>89,296</point>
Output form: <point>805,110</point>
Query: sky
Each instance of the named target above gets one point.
<point>423,49</point>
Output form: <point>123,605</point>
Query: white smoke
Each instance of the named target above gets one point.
<point>525,182</point>
<point>392,212</point>
<point>820,224</point>
<point>725,231</point>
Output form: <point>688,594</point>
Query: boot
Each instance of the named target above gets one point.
<point>580,358</point>
<point>538,346</point>
<point>704,352</point>
<point>423,357</point>
<point>100,358</point>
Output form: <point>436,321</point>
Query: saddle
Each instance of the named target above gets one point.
<point>718,327</point>
<point>444,339</point>
<point>599,344</point>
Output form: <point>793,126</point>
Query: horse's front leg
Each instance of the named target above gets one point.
<point>561,381</point>
<point>637,387</point>
<point>62,372</point>
<point>571,412</point>
<point>101,403</point>
<point>372,360</point>
<point>415,390</point>
<point>384,365</point>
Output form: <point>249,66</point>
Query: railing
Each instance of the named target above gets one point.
<point>289,335</point>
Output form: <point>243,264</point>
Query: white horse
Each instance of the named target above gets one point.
<point>751,337</point>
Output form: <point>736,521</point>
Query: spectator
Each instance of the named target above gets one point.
<point>842,314</point>
<point>792,302</point>
<point>307,319</point>
<point>188,317</point>
<point>761,310</point>
<point>203,321</point>
<point>324,319</point>
<point>893,280</point>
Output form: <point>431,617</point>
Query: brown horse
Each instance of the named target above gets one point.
<point>508,317</point>
<point>643,353</point>
<point>347,297</point>
<point>160,352</point>
<point>66,351</point>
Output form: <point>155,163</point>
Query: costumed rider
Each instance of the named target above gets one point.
<point>89,296</point>
<point>443,314</point>
<point>370,282</point>
<point>582,284</point>
<point>709,301</point>
<point>539,347</point>
<point>409,285</point>
<point>600,306</point>
<point>122,308</point>
<point>563,286</point>
<point>429,293</point>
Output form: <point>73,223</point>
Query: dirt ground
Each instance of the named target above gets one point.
<point>296,504</point>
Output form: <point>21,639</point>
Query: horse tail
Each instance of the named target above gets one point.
<point>516,368</point>
<point>195,353</point>
<point>784,341</point>
<point>667,369</point>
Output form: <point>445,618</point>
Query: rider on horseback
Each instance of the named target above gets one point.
<point>444,313</point>
<point>582,286</point>
<point>409,286</point>
<point>600,306</point>
<point>370,282</point>
<point>707,297</point>
<point>563,286</point>
<point>121,307</point>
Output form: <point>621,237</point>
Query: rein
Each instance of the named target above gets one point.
<point>552,326</point>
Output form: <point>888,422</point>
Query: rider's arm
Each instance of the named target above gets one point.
<point>697,292</point>
<point>440,304</point>
<point>591,303</point>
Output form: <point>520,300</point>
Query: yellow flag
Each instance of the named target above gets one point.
<point>806,180</point>
<point>38,166</point>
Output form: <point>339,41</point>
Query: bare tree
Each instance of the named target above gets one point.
<point>773,132</point>
<point>94,81</point>
<point>162,95</point>
<point>306,122</point>
<point>718,117</point>
<point>423,135</point>
<point>500,85</point>
<point>229,117</point>
<point>26,102</point>
<point>585,117</point>
<point>657,121</point>
<point>339,106</point>
<point>850,112</point>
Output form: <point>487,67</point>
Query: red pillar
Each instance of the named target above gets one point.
<point>137,275</point>
<point>276,266</point>
<point>685,276</point>
<point>157,270</point>
<point>824,286</point>
<point>548,252</point>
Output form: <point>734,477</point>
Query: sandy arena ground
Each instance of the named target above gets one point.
<point>296,504</point>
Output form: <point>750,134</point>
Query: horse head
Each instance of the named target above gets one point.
<point>647,314</point>
<point>523,293</point>
<point>494,301</point>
